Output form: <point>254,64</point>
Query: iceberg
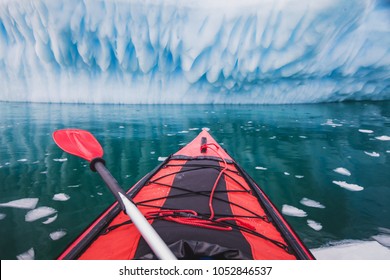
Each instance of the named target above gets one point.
<point>178,51</point>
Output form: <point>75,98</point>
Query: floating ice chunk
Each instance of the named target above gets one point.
<point>193,129</point>
<point>342,171</point>
<point>311,203</point>
<point>28,255</point>
<point>39,213</point>
<point>314,225</point>
<point>299,176</point>
<point>350,187</point>
<point>61,197</point>
<point>383,239</point>
<point>352,250</point>
<point>50,220</point>
<point>331,123</point>
<point>373,154</point>
<point>286,173</point>
<point>22,160</point>
<point>260,168</point>
<point>74,186</point>
<point>366,131</point>
<point>162,158</point>
<point>121,127</point>
<point>60,159</point>
<point>2,216</point>
<point>293,211</point>
<point>24,203</point>
<point>302,136</point>
<point>183,131</point>
<point>272,137</point>
<point>206,128</point>
<point>57,234</point>
<point>383,138</point>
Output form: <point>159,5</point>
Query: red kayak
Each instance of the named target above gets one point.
<point>203,206</point>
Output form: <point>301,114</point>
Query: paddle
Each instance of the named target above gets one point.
<point>83,144</point>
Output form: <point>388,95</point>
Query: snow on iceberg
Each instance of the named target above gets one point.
<point>177,51</point>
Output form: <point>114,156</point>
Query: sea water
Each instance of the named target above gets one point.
<point>325,166</point>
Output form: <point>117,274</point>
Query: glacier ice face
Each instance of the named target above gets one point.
<point>177,51</point>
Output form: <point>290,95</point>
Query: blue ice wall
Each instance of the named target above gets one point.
<point>203,51</point>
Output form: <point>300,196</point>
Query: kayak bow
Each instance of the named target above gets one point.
<point>202,205</point>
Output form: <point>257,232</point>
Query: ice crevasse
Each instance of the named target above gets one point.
<point>184,51</point>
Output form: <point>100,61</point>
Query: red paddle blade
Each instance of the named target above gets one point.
<point>78,142</point>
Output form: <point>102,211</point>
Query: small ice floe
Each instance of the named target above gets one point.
<point>61,197</point>
<point>272,137</point>
<point>23,203</point>
<point>311,203</point>
<point>330,122</point>
<point>162,158</point>
<point>299,176</point>
<point>50,220</point>
<point>366,131</point>
<point>350,187</point>
<point>57,234</point>
<point>383,239</point>
<point>373,154</point>
<point>314,225</point>
<point>352,250</point>
<point>28,255</point>
<point>342,171</point>
<point>193,128</point>
<point>302,136</point>
<point>99,193</point>
<point>74,186</point>
<point>152,152</point>
<point>39,213</point>
<point>286,173</point>
<point>383,138</point>
<point>121,127</point>
<point>183,131</point>
<point>2,216</point>
<point>260,168</point>
<point>206,128</point>
<point>293,211</point>
<point>44,172</point>
<point>60,159</point>
<point>22,160</point>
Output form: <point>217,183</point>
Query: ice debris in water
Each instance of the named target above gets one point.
<point>330,122</point>
<point>28,255</point>
<point>39,213</point>
<point>50,220</point>
<point>260,168</point>
<point>60,159</point>
<point>373,154</point>
<point>311,203</point>
<point>23,203</point>
<point>22,160</point>
<point>61,197</point>
<point>366,131</point>
<point>2,216</point>
<point>57,234</point>
<point>293,211</point>
<point>342,171</point>
<point>350,187</point>
<point>383,138</point>
<point>314,225</point>
<point>162,158</point>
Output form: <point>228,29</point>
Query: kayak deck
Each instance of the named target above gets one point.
<point>203,205</point>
